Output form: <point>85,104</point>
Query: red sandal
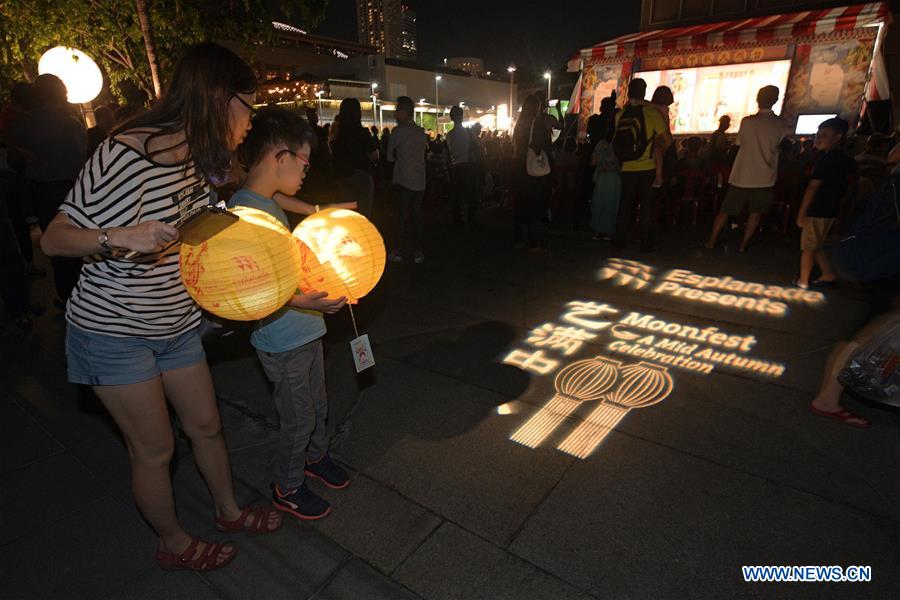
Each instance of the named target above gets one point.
<point>845,416</point>
<point>258,524</point>
<point>207,560</point>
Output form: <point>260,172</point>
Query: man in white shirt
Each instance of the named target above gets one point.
<point>755,168</point>
<point>464,179</point>
<point>406,149</point>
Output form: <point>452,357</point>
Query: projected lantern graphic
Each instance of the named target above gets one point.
<point>245,272</point>
<point>341,252</point>
<point>641,385</point>
<point>582,381</point>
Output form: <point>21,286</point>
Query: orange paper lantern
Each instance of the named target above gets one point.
<point>341,253</point>
<point>245,272</point>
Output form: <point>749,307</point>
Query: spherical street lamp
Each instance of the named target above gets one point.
<point>76,69</point>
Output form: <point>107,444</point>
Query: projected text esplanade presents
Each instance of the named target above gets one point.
<point>769,300</point>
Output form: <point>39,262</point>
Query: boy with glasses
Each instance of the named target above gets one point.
<point>289,342</point>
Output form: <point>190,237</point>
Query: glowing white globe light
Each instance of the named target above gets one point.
<point>76,69</point>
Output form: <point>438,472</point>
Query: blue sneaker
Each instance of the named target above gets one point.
<point>331,474</point>
<point>301,502</point>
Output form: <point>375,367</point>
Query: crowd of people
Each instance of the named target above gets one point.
<point>120,189</point>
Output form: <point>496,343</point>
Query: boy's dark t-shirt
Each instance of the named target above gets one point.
<point>834,169</point>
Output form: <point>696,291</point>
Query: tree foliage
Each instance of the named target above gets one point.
<point>109,31</point>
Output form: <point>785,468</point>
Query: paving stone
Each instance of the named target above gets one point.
<point>639,520</point>
<point>194,502</point>
<point>449,291</point>
<point>107,461</point>
<point>373,522</point>
<point>453,563</point>
<point>472,354</point>
<point>69,413</point>
<point>291,563</point>
<point>43,493</point>
<point>156,584</point>
<point>448,450</point>
<point>254,467</point>
<point>402,318</point>
<point>761,429</point>
<point>99,548</point>
<point>356,579</point>
<point>243,427</point>
<point>24,440</point>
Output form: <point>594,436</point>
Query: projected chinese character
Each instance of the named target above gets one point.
<point>627,273</point>
<point>534,361</point>
<point>584,314</point>
<point>557,337</point>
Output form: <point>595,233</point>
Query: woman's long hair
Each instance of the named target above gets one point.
<point>350,119</point>
<point>196,101</point>
<point>530,108</point>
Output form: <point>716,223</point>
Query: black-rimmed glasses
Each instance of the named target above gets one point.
<point>247,104</point>
<point>303,160</point>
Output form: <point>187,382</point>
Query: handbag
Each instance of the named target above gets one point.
<point>873,371</point>
<point>536,165</point>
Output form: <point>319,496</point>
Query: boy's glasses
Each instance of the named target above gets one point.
<point>245,103</point>
<point>303,160</point>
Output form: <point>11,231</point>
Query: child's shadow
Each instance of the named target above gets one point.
<point>442,391</point>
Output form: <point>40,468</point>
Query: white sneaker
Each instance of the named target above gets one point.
<point>395,256</point>
<point>418,257</point>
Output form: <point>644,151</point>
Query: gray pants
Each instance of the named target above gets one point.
<point>299,379</point>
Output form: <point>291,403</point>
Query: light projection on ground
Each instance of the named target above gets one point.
<point>615,385</point>
<point>727,292</point>
<point>618,388</point>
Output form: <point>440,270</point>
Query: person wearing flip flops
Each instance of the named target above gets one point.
<point>131,327</point>
<point>827,402</point>
<point>822,202</point>
<point>289,342</point>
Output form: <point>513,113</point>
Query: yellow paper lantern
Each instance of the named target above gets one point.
<point>341,253</point>
<point>245,272</point>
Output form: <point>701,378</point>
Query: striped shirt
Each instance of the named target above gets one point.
<point>143,297</point>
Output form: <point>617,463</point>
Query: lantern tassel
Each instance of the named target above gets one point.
<point>593,430</point>
<point>545,421</point>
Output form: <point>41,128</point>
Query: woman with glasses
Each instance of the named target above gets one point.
<point>132,328</point>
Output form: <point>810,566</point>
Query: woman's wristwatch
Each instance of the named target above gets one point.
<point>103,239</point>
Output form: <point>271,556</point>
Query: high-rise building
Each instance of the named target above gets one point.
<point>389,26</point>
<point>407,38</point>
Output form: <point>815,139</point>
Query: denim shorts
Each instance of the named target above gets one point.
<point>97,359</point>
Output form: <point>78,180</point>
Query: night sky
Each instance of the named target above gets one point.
<point>534,36</point>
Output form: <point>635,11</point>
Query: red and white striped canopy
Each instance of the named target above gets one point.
<point>753,31</point>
